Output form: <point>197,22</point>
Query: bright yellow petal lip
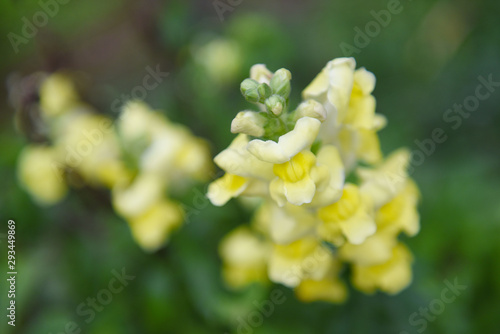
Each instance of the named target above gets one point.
<point>223,189</point>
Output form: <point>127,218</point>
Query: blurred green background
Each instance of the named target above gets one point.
<point>427,58</point>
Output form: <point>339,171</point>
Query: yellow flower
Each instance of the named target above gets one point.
<point>302,259</point>
<point>332,87</point>
<point>361,108</point>
<point>351,122</point>
<point>328,176</point>
<point>285,224</point>
<point>114,172</point>
<point>245,174</point>
<point>307,179</point>
<point>138,122</point>
<point>400,214</point>
<point>38,172</point>
<point>244,257</point>
<point>221,59</point>
<point>193,160</point>
<point>310,108</point>
<point>57,95</point>
<point>294,181</point>
<point>330,290</point>
<point>237,160</point>
<point>161,146</point>
<point>297,168</point>
<point>352,215</point>
<point>133,200</point>
<point>177,156</point>
<point>376,249</point>
<point>391,276</point>
<point>385,181</point>
<point>226,187</point>
<point>88,145</point>
<point>152,228</point>
<point>249,122</point>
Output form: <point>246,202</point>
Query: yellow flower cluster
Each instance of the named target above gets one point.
<point>329,199</point>
<point>139,158</point>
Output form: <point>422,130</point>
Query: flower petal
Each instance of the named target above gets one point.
<point>223,189</point>
<point>359,227</point>
<point>300,192</point>
<point>301,137</point>
<point>238,161</point>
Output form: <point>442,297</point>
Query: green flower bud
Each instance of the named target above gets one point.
<point>280,82</point>
<point>264,92</point>
<point>275,104</point>
<point>249,90</point>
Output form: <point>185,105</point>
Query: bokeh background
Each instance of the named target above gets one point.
<point>427,58</point>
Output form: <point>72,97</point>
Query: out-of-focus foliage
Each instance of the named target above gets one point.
<point>428,58</point>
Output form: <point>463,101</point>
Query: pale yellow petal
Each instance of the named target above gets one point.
<point>300,138</point>
<point>41,174</point>
<point>391,277</point>
<point>237,160</point>
<point>223,189</point>
<point>152,229</point>
<point>327,290</point>
<point>133,200</point>
<point>300,192</point>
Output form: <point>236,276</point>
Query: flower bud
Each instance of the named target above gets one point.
<point>249,90</point>
<point>311,108</point>
<point>275,104</point>
<point>249,122</point>
<point>260,73</point>
<point>280,82</point>
<point>264,92</point>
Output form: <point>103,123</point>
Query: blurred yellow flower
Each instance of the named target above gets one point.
<point>302,259</point>
<point>57,95</point>
<point>245,257</point>
<point>152,228</point>
<point>391,276</point>
<point>39,173</point>
<point>139,159</point>
<point>352,215</point>
<point>221,59</point>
